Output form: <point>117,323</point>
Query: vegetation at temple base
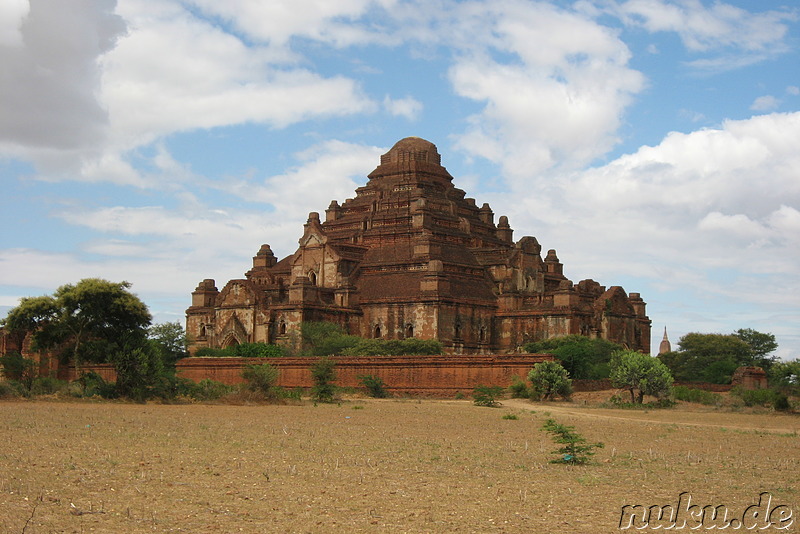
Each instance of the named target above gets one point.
<point>714,357</point>
<point>641,375</point>
<point>581,356</point>
<point>327,339</point>
<point>244,350</point>
<point>262,379</point>
<point>549,379</point>
<point>576,451</point>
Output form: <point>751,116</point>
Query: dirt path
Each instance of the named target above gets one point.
<point>767,422</point>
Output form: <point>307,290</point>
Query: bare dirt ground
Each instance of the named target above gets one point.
<point>375,466</point>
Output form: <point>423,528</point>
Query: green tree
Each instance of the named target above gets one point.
<point>138,364</point>
<point>635,371</point>
<point>583,357</point>
<point>549,379</point>
<point>785,376</point>
<point>84,321</point>
<point>761,346</point>
<point>170,340</point>
<point>323,373</point>
<point>707,357</point>
<point>576,451</point>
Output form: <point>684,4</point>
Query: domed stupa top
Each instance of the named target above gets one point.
<point>412,149</point>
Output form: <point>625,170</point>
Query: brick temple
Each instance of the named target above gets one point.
<point>411,256</point>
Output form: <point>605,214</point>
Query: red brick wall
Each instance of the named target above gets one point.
<point>442,375</point>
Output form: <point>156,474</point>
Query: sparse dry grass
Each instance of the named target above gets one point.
<point>388,466</point>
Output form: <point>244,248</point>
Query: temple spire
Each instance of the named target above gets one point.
<point>665,345</point>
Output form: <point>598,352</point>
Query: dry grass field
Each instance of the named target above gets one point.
<point>375,466</point>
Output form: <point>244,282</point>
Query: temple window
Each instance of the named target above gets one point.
<point>377,331</point>
<point>410,330</point>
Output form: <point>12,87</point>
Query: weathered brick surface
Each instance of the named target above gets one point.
<point>438,375</point>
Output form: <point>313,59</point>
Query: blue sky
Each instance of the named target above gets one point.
<point>652,143</point>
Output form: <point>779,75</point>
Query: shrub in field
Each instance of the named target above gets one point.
<point>700,396</point>
<point>208,389</point>
<point>510,417</point>
<point>760,397</point>
<point>374,385</point>
<point>575,450</point>
<point>487,396</point>
<point>518,389</point>
<point>46,385</point>
<point>262,379</point>
<point>549,379</point>
<point>18,368</point>
<point>9,389</point>
<point>323,374</point>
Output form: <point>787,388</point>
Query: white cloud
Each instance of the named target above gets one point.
<point>557,101</point>
<point>793,90</point>
<point>12,12</point>
<point>724,198</point>
<point>703,28</point>
<point>408,107</point>
<point>48,86</point>
<point>765,103</point>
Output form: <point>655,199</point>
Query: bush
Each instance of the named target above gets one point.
<point>781,403</point>
<point>46,385</point>
<point>323,374</point>
<point>243,350</point>
<point>18,368</point>
<point>756,397</point>
<point>208,389</point>
<point>374,385</point>
<point>518,389</point>
<point>700,396</point>
<point>262,379</point>
<point>550,379</point>
<point>487,396</point>
<point>575,450</point>
<point>10,389</point>
<point>93,384</point>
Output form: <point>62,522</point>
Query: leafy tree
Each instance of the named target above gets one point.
<point>84,320</point>
<point>785,375</point>
<point>635,371</point>
<point>583,357</point>
<point>575,450</point>
<point>138,365</point>
<point>761,346</point>
<point>170,340</point>
<point>707,357</point>
<point>323,374</point>
<point>549,379</point>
